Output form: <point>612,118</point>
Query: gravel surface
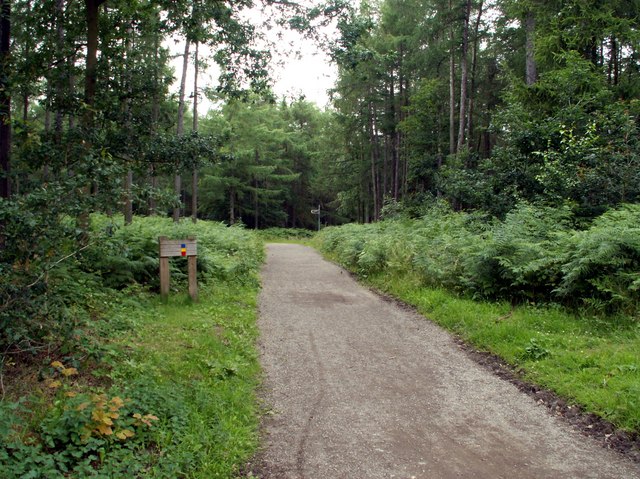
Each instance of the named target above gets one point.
<point>360,388</point>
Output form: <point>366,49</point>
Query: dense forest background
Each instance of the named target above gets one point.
<point>484,104</point>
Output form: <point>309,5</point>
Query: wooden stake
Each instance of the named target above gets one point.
<point>164,272</point>
<point>193,277</point>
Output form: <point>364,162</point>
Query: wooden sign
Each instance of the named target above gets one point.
<point>185,247</point>
<point>172,248</point>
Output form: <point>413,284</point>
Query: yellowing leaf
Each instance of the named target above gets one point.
<point>69,371</point>
<point>70,394</point>
<point>137,416</point>
<point>83,406</point>
<point>101,417</point>
<point>104,430</point>
<point>54,384</point>
<point>124,434</point>
<point>57,364</point>
<point>147,418</point>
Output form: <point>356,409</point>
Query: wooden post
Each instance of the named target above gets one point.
<point>192,268</point>
<point>169,248</point>
<point>164,270</point>
<point>193,277</point>
<point>164,277</point>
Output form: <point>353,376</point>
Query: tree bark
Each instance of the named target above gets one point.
<point>394,142</point>
<point>256,205</point>
<point>464,78</point>
<point>194,174</point>
<point>128,67</point>
<point>59,20</point>
<point>177,180</point>
<point>614,66</point>
<point>232,206</point>
<point>452,88</point>
<point>5,101</point>
<point>91,61</point>
<point>155,114</point>
<point>531,73</point>
<point>472,86</point>
<point>403,101</point>
<point>374,161</point>
<point>128,205</point>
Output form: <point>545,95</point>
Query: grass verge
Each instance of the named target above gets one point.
<point>198,364</point>
<point>286,235</point>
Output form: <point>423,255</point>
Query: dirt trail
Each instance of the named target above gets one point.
<point>362,389</point>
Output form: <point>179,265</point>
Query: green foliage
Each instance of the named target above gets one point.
<point>266,174</point>
<point>83,434</point>
<point>130,254</point>
<point>564,139</point>
<point>534,254</point>
<point>177,378</point>
<point>535,351</point>
<point>291,234</point>
<point>602,263</point>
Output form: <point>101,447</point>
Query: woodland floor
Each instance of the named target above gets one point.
<point>358,386</point>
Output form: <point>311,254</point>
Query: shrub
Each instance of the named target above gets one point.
<point>601,265</point>
<point>534,254</point>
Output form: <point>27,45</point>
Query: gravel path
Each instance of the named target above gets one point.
<point>362,389</point>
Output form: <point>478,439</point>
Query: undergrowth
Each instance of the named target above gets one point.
<point>295,235</point>
<point>536,254</point>
<point>128,385</point>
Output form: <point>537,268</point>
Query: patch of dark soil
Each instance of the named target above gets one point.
<point>258,469</point>
<point>589,424</point>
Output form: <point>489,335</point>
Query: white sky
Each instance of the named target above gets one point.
<point>298,66</point>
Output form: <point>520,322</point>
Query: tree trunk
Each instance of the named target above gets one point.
<point>472,86</point>
<point>155,114</point>
<point>183,85</point>
<point>177,188</point>
<point>374,161</point>
<point>401,115</point>
<point>194,174</point>
<point>394,144</point>
<point>256,213</point>
<point>153,206</point>
<point>91,61</point>
<point>128,205</point>
<point>177,180</point>
<point>232,206</point>
<point>5,101</point>
<point>464,77</point>
<point>452,88</point>
<point>59,21</point>
<point>614,65</point>
<point>126,76</point>
<point>72,86</point>
<point>530,29</point>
